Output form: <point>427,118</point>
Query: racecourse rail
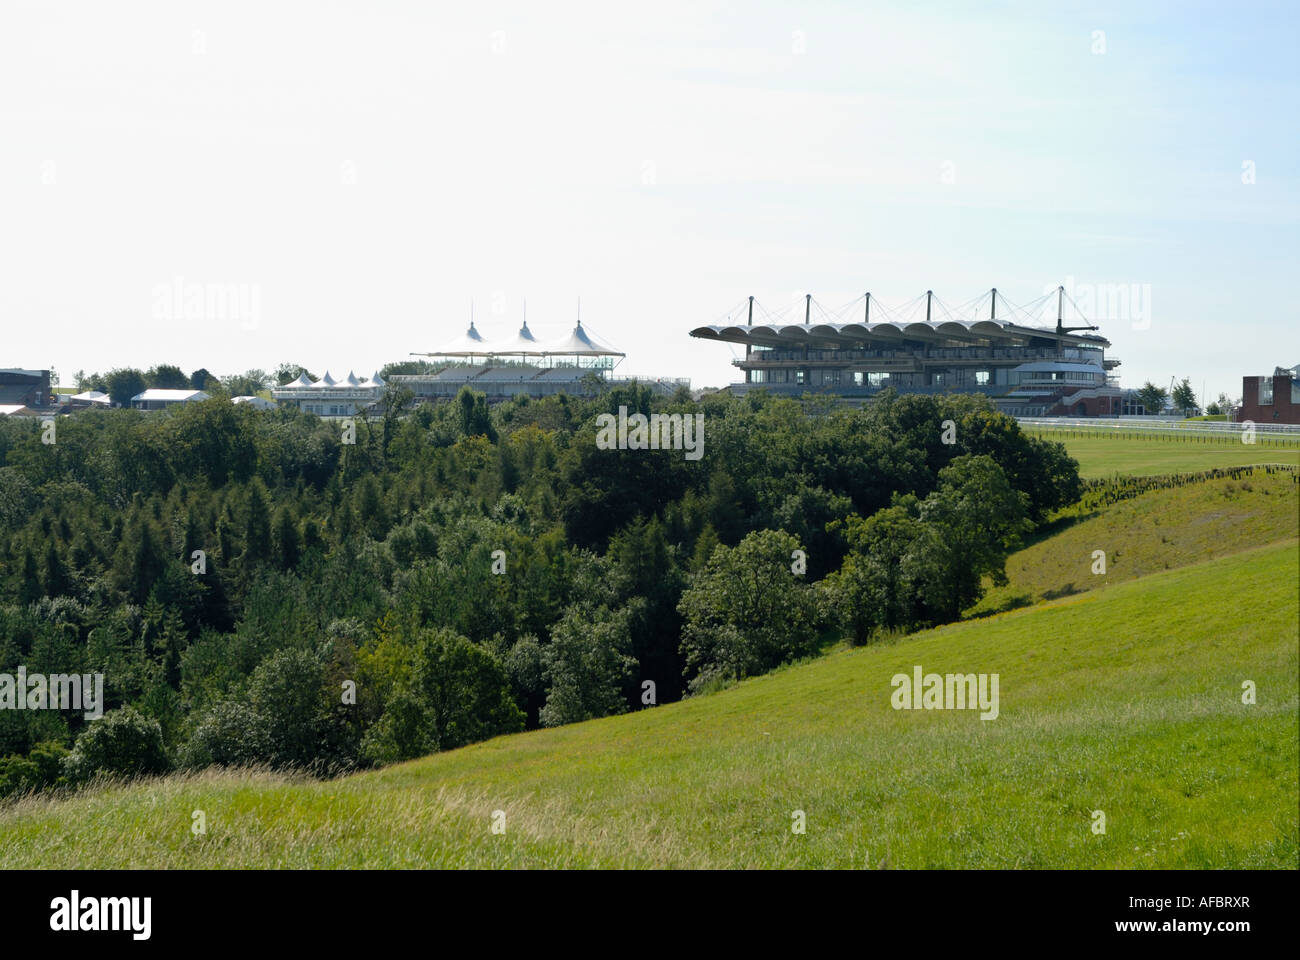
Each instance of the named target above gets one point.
<point>1277,434</point>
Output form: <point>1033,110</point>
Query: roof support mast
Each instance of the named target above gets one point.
<point>1060,329</point>
<point>1060,306</point>
<point>866,317</point>
<point>928,295</point>
<point>749,323</point>
<point>993,306</point>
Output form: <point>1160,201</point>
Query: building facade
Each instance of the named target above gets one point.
<point>30,388</point>
<point>1272,398</point>
<point>328,397</point>
<point>1025,370</point>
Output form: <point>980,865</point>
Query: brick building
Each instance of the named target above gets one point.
<point>1271,399</point>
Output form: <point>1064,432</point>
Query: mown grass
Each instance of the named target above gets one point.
<point>1104,456</point>
<point>1126,699</point>
<point>1157,530</point>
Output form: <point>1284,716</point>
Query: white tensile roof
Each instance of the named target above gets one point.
<point>156,394</point>
<point>92,396</point>
<point>580,343</point>
<point>470,343</point>
<point>325,381</point>
<point>523,343</point>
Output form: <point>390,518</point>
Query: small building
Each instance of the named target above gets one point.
<point>16,410</point>
<point>29,388</point>
<point>89,399</point>
<point>1271,398</point>
<point>257,403</point>
<point>157,398</point>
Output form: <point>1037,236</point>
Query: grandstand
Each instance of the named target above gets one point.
<point>577,365</point>
<point>1027,369</point>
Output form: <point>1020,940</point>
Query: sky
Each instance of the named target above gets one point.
<point>338,184</point>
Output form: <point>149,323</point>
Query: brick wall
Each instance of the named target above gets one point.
<point>1282,410</point>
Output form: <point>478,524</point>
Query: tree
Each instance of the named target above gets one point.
<point>30,588</point>
<point>245,384</point>
<point>922,561</point>
<point>452,693</point>
<point>1184,398</point>
<point>287,697</point>
<point>465,688</point>
<point>1152,398</point>
<point>475,420</point>
<point>201,379</point>
<point>257,525</point>
<point>979,519</point>
<point>874,588</point>
<point>585,664</point>
<point>166,376</point>
<point>57,581</point>
<point>287,543</point>
<point>286,372</point>
<point>123,384</point>
<point>124,742</point>
<point>746,611</point>
<point>646,566</point>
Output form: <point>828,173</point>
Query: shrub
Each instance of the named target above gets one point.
<point>123,742</point>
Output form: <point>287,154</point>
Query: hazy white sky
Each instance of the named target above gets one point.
<point>359,172</point>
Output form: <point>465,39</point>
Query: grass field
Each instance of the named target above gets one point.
<point>1105,456</point>
<point>1159,530</point>
<point>1126,699</point>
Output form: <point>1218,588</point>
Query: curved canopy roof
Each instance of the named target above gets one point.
<point>844,334</point>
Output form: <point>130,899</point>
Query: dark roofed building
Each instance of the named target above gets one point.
<point>29,388</point>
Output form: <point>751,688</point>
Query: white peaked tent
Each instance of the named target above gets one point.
<point>375,381</point>
<point>302,381</point>
<point>524,344</point>
<point>470,344</point>
<point>580,343</point>
<point>325,381</point>
<point>352,380</point>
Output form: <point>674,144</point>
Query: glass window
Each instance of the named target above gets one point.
<point>981,377</point>
<point>1265,390</point>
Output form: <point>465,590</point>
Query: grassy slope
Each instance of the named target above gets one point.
<point>1158,530</point>
<point>1125,699</point>
<point>1106,456</point>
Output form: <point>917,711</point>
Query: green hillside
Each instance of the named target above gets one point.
<point>1126,699</point>
<point>1158,530</point>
